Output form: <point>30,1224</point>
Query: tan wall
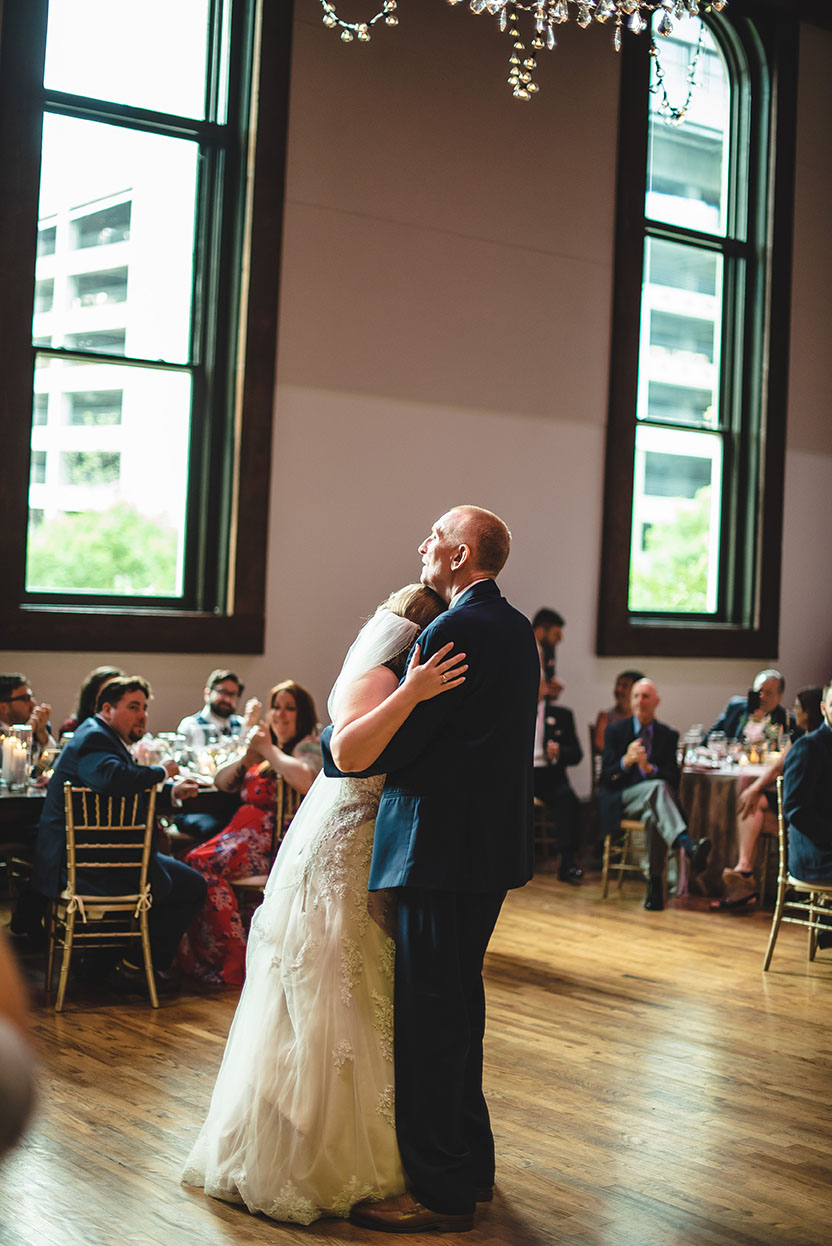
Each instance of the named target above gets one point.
<point>445,337</point>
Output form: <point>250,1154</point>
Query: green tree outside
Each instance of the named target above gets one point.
<point>672,572</point>
<point>116,551</point>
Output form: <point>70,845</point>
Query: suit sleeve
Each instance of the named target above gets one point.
<point>719,725</point>
<point>800,795</point>
<point>105,771</point>
<point>570,750</point>
<point>425,720</point>
<point>613,775</point>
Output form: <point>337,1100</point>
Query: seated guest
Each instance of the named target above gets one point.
<point>807,803</point>
<point>19,708</point>
<point>640,779</point>
<point>218,717</point>
<point>766,692</point>
<point>756,800</point>
<point>214,949</point>
<point>88,697</point>
<point>216,721</point>
<point>806,711</point>
<point>556,747</point>
<point>98,757</point>
<point>548,626</point>
<point>620,708</point>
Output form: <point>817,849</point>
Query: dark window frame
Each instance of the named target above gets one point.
<point>748,621</point>
<point>232,412</point>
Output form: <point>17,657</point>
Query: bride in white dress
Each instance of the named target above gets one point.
<point>301,1123</point>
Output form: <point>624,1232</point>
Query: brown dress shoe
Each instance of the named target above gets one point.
<point>403,1214</point>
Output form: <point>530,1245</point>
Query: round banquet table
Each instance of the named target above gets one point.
<point>709,799</point>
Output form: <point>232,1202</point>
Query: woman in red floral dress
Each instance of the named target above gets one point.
<point>214,947</point>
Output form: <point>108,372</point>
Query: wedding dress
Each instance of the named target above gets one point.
<point>301,1122</point>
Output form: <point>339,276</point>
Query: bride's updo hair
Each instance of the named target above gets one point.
<point>418,603</point>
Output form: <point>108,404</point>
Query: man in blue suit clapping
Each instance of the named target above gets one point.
<point>98,756</point>
<point>453,834</point>
<point>640,779</point>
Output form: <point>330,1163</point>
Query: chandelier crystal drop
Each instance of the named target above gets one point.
<point>634,15</point>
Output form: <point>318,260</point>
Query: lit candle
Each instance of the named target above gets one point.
<point>8,754</point>
<point>20,758</point>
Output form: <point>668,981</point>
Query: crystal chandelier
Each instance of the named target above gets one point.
<point>543,16</point>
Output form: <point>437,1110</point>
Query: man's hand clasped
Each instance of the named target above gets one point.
<point>636,755</point>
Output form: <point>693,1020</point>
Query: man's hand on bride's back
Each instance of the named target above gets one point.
<point>439,674</point>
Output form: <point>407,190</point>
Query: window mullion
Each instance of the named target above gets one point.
<point>87,108</point>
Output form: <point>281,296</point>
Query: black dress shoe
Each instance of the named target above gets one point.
<point>697,854</point>
<point>655,895</point>
<point>571,874</point>
<point>130,980</point>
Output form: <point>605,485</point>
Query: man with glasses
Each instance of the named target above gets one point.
<point>218,717</point>
<point>217,720</point>
<point>18,707</point>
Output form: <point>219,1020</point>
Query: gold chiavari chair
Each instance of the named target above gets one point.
<point>249,890</point>
<point>817,907</point>
<point>107,838</point>
<point>624,852</point>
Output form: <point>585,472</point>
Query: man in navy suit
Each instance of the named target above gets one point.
<point>453,833</point>
<point>640,779</point>
<point>769,686</point>
<point>556,747</point>
<point>98,757</point>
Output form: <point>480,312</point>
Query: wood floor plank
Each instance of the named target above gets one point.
<point>648,1085</point>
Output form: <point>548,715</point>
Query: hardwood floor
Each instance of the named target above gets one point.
<point>648,1084</point>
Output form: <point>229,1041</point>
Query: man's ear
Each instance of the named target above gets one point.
<point>462,555</point>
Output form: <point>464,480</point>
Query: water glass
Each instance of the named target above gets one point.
<point>718,743</point>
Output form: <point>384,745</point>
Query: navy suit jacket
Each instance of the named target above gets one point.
<point>807,804</point>
<point>615,777</point>
<point>95,757</point>
<point>732,720</point>
<point>456,813</point>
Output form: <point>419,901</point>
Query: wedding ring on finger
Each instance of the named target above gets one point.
<point>444,679</point>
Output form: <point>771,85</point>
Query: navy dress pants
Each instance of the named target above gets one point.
<point>442,1121</point>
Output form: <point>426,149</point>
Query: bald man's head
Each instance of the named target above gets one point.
<point>465,544</point>
<point>644,700</point>
<point>487,537</point>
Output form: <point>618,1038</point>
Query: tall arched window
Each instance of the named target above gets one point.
<point>691,559</point>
